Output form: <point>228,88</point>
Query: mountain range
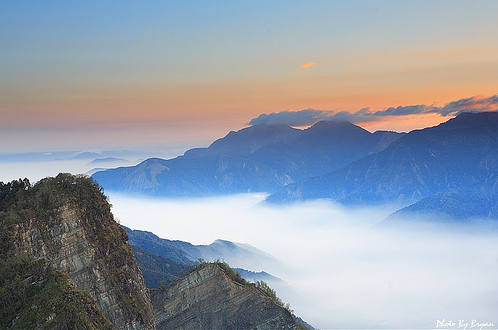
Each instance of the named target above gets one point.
<point>164,260</point>
<point>449,169</point>
<point>261,158</point>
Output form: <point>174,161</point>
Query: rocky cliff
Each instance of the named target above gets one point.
<point>36,296</point>
<point>214,297</point>
<point>66,223</point>
<point>66,264</point>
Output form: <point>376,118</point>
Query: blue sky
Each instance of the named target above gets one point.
<point>191,64</point>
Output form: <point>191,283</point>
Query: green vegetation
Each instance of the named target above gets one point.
<point>301,326</point>
<point>235,276</point>
<point>42,206</point>
<point>34,295</point>
<point>263,286</point>
<point>260,285</point>
<point>231,273</point>
<point>23,204</point>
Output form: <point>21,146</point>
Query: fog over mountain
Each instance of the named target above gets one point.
<point>260,158</point>
<point>451,169</point>
<point>39,164</point>
<point>248,165</point>
<point>401,233</point>
<point>180,253</point>
<point>341,267</point>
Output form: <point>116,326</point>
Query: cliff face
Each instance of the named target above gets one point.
<point>208,298</point>
<point>66,264</point>
<point>67,222</point>
<point>36,296</point>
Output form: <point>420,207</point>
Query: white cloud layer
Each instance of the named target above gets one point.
<point>342,269</point>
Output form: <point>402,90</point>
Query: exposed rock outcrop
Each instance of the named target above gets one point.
<point>209,298</point>
<point>36,296</point>
<point>67,222</point>
<point>66,264</point>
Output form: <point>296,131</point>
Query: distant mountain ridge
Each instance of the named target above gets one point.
<point>256,276</point>
<point>433,169</point>
<point>181,252</point>
<point>261,158</point>
<point>454,205</point>
<point>163,261</point>
<point>450,169</point>
<point>108,160</point>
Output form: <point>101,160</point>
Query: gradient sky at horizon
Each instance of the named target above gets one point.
<point>136,73</point>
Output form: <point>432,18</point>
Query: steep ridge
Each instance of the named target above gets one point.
<point>66,224</point>
<point>180,252</point>
<point>34,295</point>
<point>159,270</point>
<point>66,264</point>
<point>256,276</point>
<point>163,261</point>
<point>453,205</point>
<point>458,155</point>
<point>259,158</point>
<point>211,297</point>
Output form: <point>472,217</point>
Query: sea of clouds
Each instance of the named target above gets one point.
<point>342,267</point>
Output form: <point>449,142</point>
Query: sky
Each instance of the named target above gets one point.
<point>95,74</point>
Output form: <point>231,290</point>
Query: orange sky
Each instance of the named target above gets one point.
<point>151,72</point>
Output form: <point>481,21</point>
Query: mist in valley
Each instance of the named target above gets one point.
<point>38,165</point>
<point>341,267</point>
<point>37,170</point>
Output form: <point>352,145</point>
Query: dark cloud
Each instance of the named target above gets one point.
<point>403,110</point>
<point>292,118</point>
<point>311,116</point>
<point>470,104</point>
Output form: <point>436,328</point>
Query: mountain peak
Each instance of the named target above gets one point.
<point>332,123</point>
<point>336,128</point>
<point>252,138</point>
<point>226,300</point>
<point>486,115</point>
<point>472,119</point>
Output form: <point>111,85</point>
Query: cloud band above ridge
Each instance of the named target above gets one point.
<point>311,116</point>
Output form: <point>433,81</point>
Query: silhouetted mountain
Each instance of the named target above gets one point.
<point>185,253</point>
<point>108,160</point>
<point>260,158</point>
<point>426,166</point>
<point>256,276</point>
<point>156,269</point>
<point>94,170</point>
<point>166,260</point>
<point>86,155</point>
<point>453,205</point>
